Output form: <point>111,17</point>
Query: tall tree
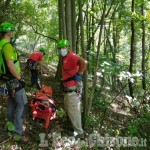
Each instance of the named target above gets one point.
<point>73,24</point>
<point>132,50</point>
<point>97,57</point>
<point>68,18</point>
<point>85,85</point>
<point>62,34</point>
<point>143,49</point>
<point>62,22</point>
<point>60,17</point>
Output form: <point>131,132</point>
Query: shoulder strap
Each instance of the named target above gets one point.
<point>3,42</point>
<point>3,67</point>
<point>3,46</point>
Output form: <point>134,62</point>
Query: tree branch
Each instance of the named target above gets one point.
<point>43,34</point>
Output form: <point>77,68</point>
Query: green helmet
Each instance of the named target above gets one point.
<point>42,50</point>
<point>6,27</point>
<point>63,43</point>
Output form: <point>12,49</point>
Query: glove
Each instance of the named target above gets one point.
<point>22,83</point>
<point>78,77</point>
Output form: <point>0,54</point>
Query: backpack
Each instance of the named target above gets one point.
<point>2,59</point>
<point>31,65</point>
<point>43,105</point>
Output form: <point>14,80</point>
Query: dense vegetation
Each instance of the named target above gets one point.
<point>114,37</point>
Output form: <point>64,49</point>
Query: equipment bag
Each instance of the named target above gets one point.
<point>32,65</point>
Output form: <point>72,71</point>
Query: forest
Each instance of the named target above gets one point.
<point>113,36</point>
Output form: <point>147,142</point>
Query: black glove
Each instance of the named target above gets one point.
<point>22,83</point>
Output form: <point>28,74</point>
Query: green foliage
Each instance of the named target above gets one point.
<point>90,120</point>
<point>140,127</point>
<point>61,113</point>
<point>10,126</point>
<point>100,103</point>
<point>41,16</point>
<point>37,15</point>
<point>16,138</point>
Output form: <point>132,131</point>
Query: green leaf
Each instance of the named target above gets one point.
<point>11,127</point>
<point>16,137</point>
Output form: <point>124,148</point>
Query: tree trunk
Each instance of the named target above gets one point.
<point>68,19</point>
<point>132,50</point>
<point>90,32</point>
<point>143,50</point>
<point>62,34</point>
<point>97,58</point>
<point>85,85</point>
<point>60,12</point>
<point>73,22</point>
<point>62,15</point>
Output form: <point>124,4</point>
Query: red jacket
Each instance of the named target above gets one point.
<point>70,68</point>
<point>36,56</point>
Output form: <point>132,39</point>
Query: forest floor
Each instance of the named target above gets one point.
<point>60,127</point>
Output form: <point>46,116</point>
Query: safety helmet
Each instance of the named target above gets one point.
<point>63,43</point>
<point>42,50</point>
<point>6,27</point>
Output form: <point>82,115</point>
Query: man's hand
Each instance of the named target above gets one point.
<point>78,77</point>
<point>22,83</point>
